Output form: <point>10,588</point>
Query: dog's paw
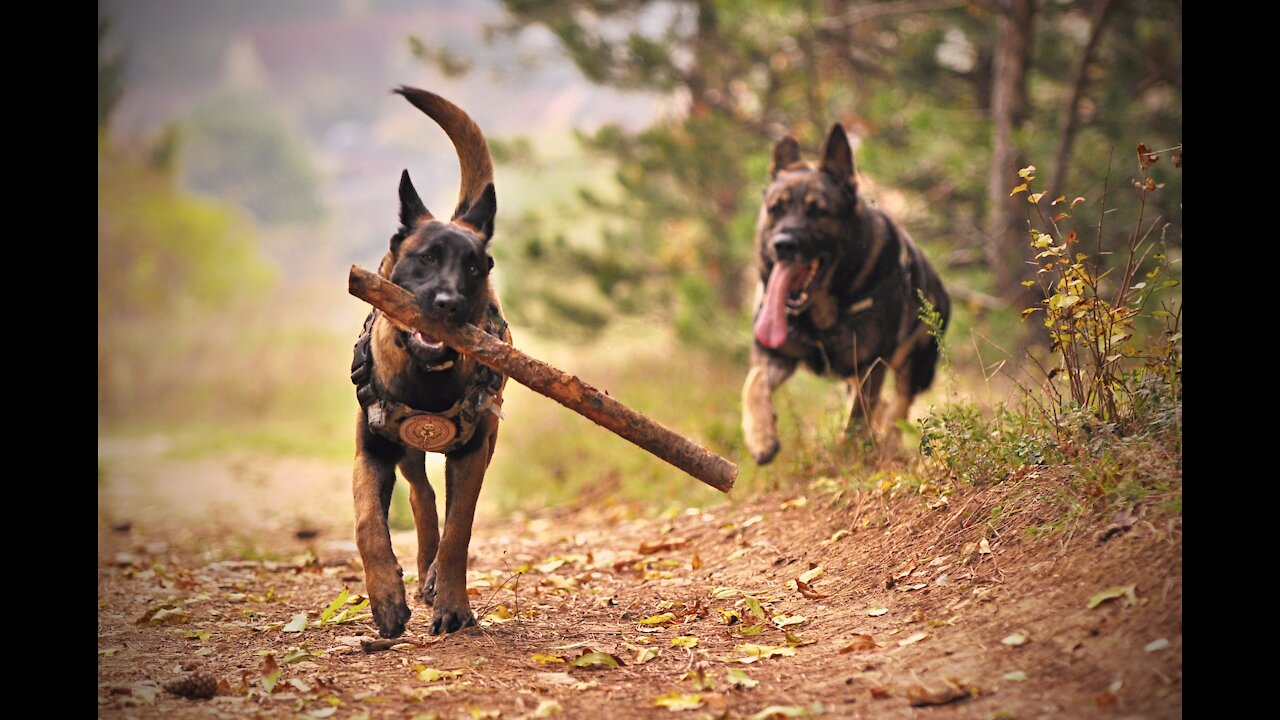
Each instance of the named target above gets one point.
<point>390,615</point>
<point>766,455</point>
<point>427,586</point>
<point>450,619</point>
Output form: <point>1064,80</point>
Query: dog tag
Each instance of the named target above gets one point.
<point>431,433</point>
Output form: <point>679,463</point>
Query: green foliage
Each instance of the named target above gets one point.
<point>238,150</point>
<point>1092,312</point>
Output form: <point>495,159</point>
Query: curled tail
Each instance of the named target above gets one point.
<point>473,151</point>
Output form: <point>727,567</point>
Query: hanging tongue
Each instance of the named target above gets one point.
<point>771,323</point>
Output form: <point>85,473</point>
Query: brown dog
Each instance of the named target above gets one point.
<point>841,287</point>
<point>418,396</point>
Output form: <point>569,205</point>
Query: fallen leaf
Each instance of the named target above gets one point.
<point>782,621</point>
<point>294,656</point>
<point>327,614</point>
<point>554,679</point>
<point>665,617</point>
<point>299,685</point>
<point>204,651</point>
<point>912,586</point>
<point>1157,645</point>
<point>323,712</point>
<point>912,639</point>
<point>1015,639</point>
<point>729,617</point>
<point>546,659</point>
<point>201,635</point>
<point>774,712</point>
<point>482,714</point>
<point>859,643</point>
<point>812,574</point>
<point>676,701</point>
<point>762,652</point>
<point>685,641</point>
<point>644,655</point>
<point>806,591</point>
<point>1111,593</point>
<point>839,535</point>
<point>877,611</point>
<point>753,605</point>
<point>657,546</point>
<point>500,614</point>
<point>799,502</point>
<point>434,675</point>
<point>270,673</point>
<point>547,708</point>
<point>297,624</point>
<point>739,678</point>
<point>1016,676</point>
<point>596,660</point>
<point>750,630</point>
<point>795,640</point>
<point>724,593</point>
<point>752,520</point>
<point>880,693</point>
<point>984,547</point>
<point>920,696</point>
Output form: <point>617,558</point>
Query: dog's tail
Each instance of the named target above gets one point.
<point>473,151</point>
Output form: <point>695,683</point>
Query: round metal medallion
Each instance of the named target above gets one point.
<point>428,432</point>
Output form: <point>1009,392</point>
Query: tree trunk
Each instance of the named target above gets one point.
<point>1071,112</point>
<point>1006,236</point>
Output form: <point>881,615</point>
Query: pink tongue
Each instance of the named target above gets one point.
<point>771,324</point>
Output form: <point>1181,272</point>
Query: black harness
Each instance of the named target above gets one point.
<point>441,432</point>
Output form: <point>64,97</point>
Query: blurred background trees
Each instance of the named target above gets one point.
<point>947,99</point>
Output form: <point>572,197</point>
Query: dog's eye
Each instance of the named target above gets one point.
<point>814,209</point>
<point>430,257</point>
<point>473,271</point>
<point>778,209</point>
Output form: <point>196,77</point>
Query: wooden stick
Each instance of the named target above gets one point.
<point>544,379</point>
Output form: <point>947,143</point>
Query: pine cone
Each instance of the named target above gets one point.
<point>196,686</point>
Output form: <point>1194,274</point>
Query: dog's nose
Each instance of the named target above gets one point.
<point>448,304</point>
<point>786,247</point>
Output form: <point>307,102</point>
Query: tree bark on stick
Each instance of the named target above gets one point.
<point>544,379</point>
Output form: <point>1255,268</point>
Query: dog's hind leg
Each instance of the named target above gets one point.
<point>759,421</point>
<point>373,480</point>
<point>864,397</point>
<point>422,498</point>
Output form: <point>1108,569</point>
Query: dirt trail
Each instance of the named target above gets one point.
<point>906,603</point>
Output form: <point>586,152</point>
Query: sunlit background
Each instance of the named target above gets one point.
<point>248,154</point>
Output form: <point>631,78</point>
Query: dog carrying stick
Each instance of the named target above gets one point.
<point>544,379</point>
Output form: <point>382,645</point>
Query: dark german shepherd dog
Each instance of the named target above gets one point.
<point>841,286</point>
<point>417,395</point>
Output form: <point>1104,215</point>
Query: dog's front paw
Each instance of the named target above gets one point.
<point>427,586</point>
<point>447,619</point>
<point>765,455</point>
<point>390,612</point>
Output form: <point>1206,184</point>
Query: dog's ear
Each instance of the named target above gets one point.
<point>479,216</point>
<point>786,152</point>
<point>412,210</point>
<point>837,157</point>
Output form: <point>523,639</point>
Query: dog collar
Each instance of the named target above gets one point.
<point>441,432</point>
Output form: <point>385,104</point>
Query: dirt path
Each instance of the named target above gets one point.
<point>905,603</point>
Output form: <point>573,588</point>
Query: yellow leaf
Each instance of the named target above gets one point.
<point>1034,197</point>
<point>1018,189</point>
<point>1028,283</point>
<point>546,659</point>
<point>676,700</point>
<point>433,675</point>
<point>788,620</point>
<point>1077,201</point>
<point>647,654</point>
<point>685,641</point>
<point>1058,199</point>
<point>658,619</point>
<point>1028,172</point>
<point>754,653</point>
<point>812,574</point>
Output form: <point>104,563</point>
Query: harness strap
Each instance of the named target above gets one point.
<point>440,432</point>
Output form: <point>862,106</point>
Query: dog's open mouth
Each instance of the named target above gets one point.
<point>788,293</point>
<point>427,350</point>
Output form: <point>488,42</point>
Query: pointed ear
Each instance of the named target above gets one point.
<point>481,213</point>
<point>785,153</point>
<point>412,211</point>
<point>837,157</point>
